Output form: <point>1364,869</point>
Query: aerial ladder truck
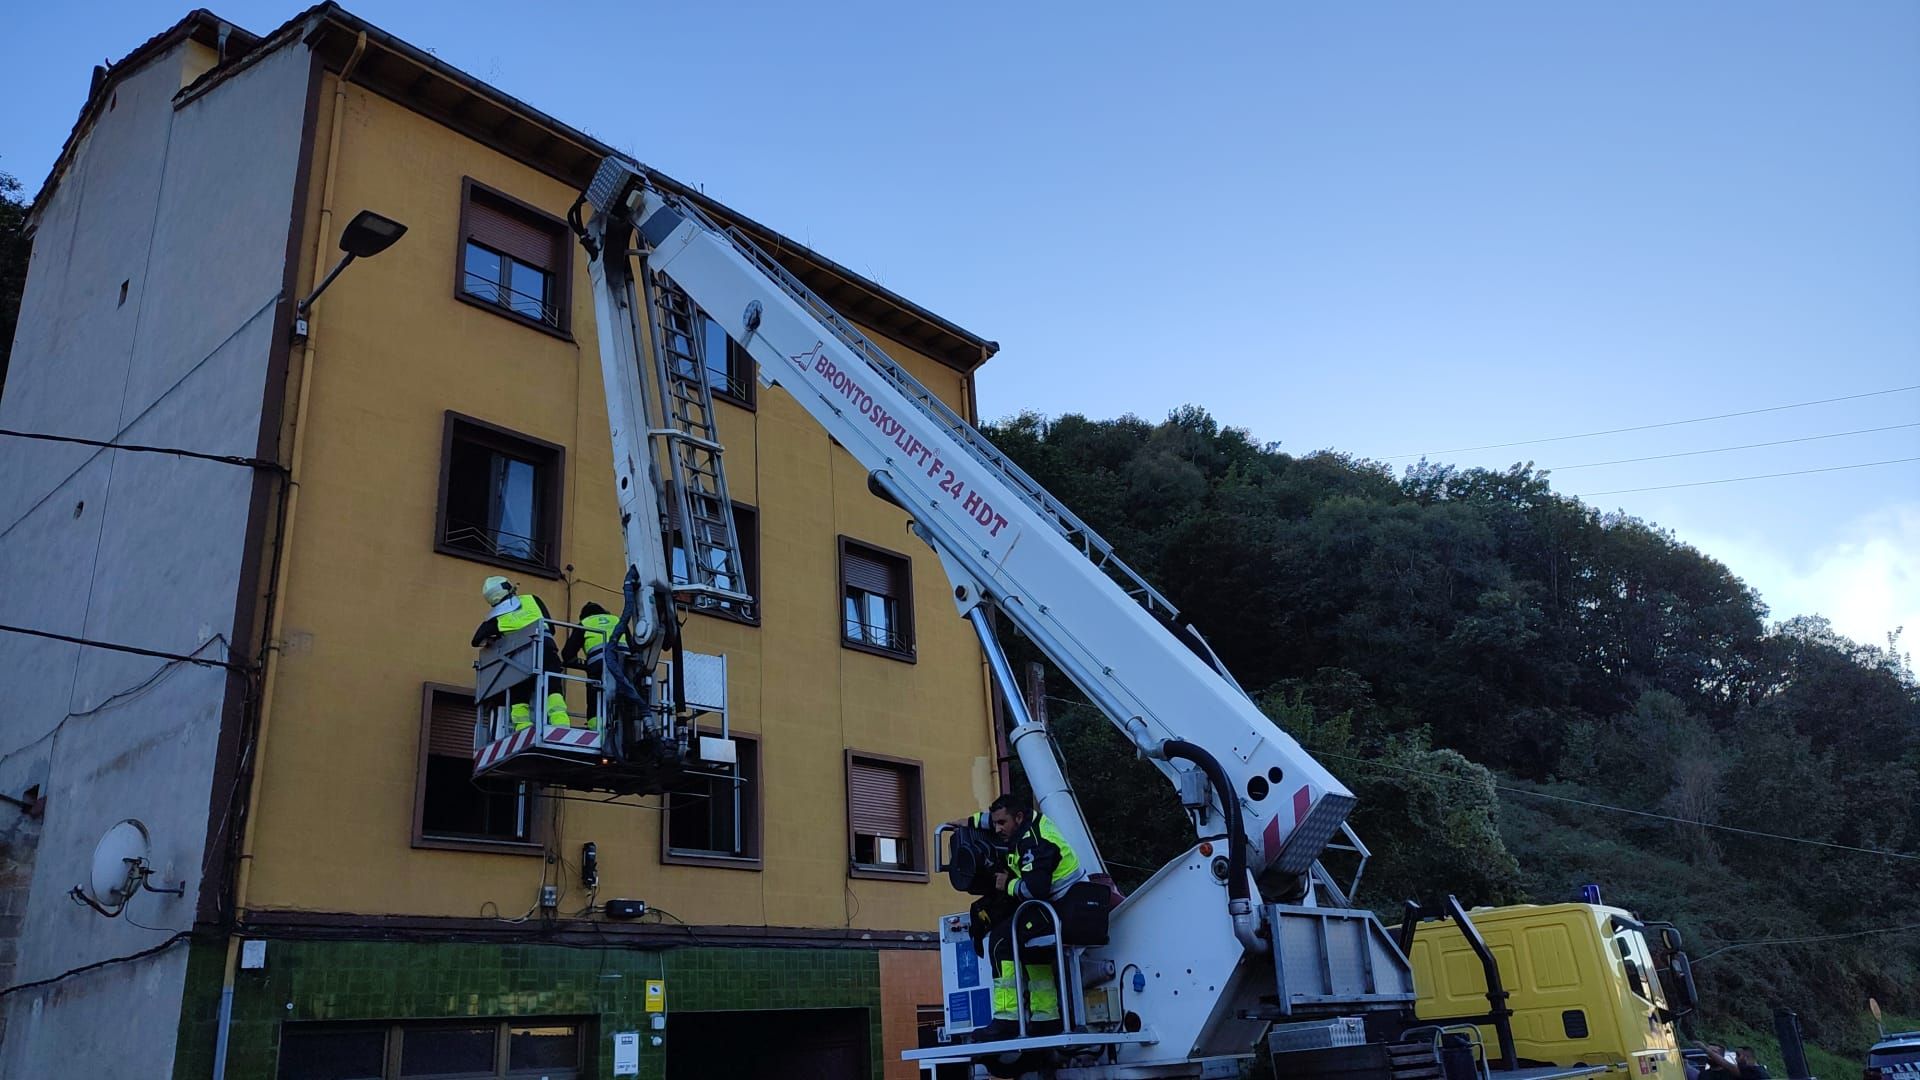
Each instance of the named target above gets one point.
<point>1245,930</point>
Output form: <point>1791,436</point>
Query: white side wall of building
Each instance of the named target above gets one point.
<point>189,207</point>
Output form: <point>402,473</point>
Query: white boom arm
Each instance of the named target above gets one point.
<point>1004,542</point>
<point>995,544</point>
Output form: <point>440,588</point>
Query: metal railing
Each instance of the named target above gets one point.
<point>880,637</point>
<point>505,296</point>
<point>497,543</point>
<point>494,718</point>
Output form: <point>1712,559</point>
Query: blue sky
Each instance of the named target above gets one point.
<point>1384,228</point>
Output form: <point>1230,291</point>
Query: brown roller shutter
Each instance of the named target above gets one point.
<point>870,574</point>
<point>877,796</point>
<point>452,726</point>
<point>493,227</point>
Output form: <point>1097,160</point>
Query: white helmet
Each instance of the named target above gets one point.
<point>496,589</point>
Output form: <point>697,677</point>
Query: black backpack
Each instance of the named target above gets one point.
<point>976,857</point>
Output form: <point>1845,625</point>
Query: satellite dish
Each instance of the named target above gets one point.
<point>119,862</point>
<point>120,869</point>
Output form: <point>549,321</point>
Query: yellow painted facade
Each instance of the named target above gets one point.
<point>372,613</point>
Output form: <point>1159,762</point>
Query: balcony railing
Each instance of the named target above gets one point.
<point>496,543</point>
<point>892,639</point>
<point>523,304</point>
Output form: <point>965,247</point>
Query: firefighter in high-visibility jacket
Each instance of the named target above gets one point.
<point>595,630</point>
<point>514,610</point>
<point>1041,865</point>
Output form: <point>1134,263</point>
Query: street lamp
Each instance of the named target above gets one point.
<point>367,235</point>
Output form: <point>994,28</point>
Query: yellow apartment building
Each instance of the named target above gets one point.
<point>354,904</point>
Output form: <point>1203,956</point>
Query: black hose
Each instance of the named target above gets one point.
<point>670,626</point>
<point>1229,802</point>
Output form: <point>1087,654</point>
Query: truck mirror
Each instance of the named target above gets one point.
<point>1680,991</point>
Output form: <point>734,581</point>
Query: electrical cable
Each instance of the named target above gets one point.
<point>1741,479</point>
<point>152,405</point>
<point>1800,940</point>
<point>225,459</point>
<point>665,914</point>
<point>97,964</point>
<point>1590,804</point>
<point>134,649</point>
<point>1728,449</point>
<point>1650,427</point>
<point>115,698</point>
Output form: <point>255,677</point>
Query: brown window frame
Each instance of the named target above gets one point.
<point>916,818</point>
<point>752,823</point>
<point>749,381</point>
<point>536,810</point>
<point>552,501</point>
<point>562,270</point>
<point>905,630</point>
<point>749,565</point>
<point>393,1033</point>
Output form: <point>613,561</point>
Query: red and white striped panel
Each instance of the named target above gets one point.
<point>573,737</point>
<point>490,754</point>
<point>579,740</point>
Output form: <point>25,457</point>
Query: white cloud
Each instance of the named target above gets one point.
<point>1865,578</point>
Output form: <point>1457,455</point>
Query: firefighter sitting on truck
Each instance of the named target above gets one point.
<point>513,610</point>
<point>1040,865</point>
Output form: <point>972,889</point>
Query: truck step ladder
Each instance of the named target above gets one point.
<point>687,440</point>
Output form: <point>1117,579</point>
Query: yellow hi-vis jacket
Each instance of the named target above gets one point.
<point>1042,865</point>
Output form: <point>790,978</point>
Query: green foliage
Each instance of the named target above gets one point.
<point>1489,665</point>
<point>14,248</point>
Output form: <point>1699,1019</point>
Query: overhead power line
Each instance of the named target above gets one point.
<point>1729,449</point>
<point>1589,803</point>
<point>1665,424</point>
<point>1742,479</point>
<point>1670,818</point>
<point>1803,940</point>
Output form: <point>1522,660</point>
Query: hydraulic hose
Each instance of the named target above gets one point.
<point>1246,924</point>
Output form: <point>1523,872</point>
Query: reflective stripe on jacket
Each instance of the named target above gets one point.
<point>525,613</point>
<point>1042,865</point>
<point>598,629</point>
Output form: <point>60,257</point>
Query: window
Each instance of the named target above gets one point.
<point>712,820</point>
<point>729,367</point>
<point>514,259</point>
<point>451,808</point>
<point>516,1049</point>
<point>885,818</point>
<point>876,600</point>
<point>746,532</point>
<point>499,497</point>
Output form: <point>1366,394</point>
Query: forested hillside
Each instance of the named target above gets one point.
<point>1494,668</point>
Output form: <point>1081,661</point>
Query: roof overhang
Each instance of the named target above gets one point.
<point>199,25</point>
<point>428,85</point>
<point>422,82</point>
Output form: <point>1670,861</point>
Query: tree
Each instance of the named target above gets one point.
<point>1525,695</point>
<point>14,249</point>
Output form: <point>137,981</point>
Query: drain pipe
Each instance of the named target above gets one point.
<point>244,874</point>
<point>1246,921</point>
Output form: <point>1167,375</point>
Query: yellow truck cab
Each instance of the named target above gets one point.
<point>1581,983</point>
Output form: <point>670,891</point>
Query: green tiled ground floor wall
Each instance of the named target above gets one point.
<point>334,980</point>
